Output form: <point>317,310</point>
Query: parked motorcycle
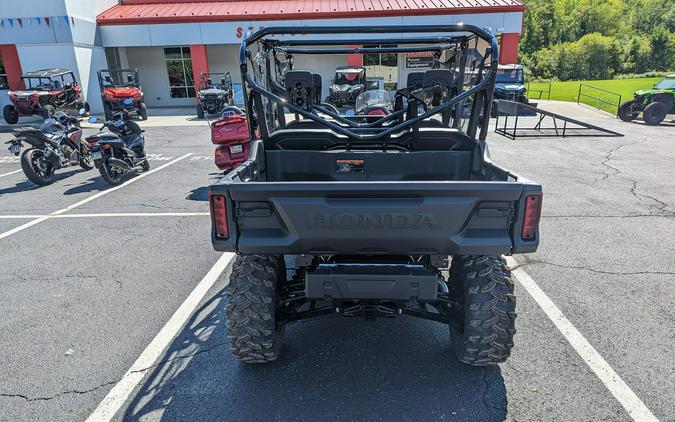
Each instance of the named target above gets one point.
<point>119,151</point>
<point>55,145</point>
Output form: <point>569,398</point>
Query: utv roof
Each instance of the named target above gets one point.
<point>46,73</point>
<point>510,67</point>
<point>350,69</point>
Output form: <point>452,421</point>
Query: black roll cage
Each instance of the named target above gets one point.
<point>205,76</point>
<point>483,90</point>
<point>119,73</point>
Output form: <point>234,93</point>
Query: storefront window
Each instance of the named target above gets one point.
<point>382,66</point>
<point>179,69</point>
<point>3,76</point>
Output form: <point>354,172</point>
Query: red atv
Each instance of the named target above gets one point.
<point>45,91</point>
<point>230,133</point>
<point>121,90</point>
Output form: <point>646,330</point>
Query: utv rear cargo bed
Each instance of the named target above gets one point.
<point>374,218</point>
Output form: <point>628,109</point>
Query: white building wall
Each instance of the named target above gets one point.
<point>224,58</point>
<point>154,79</point>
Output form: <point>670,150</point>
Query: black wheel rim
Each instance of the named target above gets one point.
<point>40,166</point>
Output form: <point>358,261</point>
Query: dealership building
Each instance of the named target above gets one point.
<point>171,42</point>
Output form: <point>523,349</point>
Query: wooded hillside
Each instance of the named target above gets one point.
<point>598,39</point>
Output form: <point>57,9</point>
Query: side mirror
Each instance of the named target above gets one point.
<point>81,112</point>
<point>92,119</point>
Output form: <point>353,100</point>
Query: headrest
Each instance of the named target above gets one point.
<point>415,80</point>
<point>442,77</point>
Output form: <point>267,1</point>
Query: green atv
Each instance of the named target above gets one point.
<point>654,103</point>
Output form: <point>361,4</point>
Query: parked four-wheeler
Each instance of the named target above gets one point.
<point>119,151</point>
<point>45,91</point>
<point>121,90</point>
<point>230,133</point>
<point>56,144</point>
<point>404,214</point>
<point>349,83</point>
<point>213,96</point>
<point>654,103</point>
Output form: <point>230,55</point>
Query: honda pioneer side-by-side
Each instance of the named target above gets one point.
<point>213,96</point>
<point>44,92</point>
<point>121,91</point>
<point>654,103</point>
<point>399,213</point>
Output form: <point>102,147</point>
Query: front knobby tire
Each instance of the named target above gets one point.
<point>483,284</point>
<point>626,112</point>
<point>252,330</point>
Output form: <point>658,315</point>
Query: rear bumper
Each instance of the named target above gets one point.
<point>376,218</point>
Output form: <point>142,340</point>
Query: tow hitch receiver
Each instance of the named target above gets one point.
<point>382,282</point>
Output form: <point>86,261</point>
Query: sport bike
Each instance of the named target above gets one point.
<point>55,145</point>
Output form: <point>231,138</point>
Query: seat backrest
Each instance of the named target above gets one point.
<point>415,80</point>
<point>440,77</point>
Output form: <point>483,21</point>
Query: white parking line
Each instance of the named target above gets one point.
<point>11,172</point>
<point>111,214</point>
<point>621,391</point>
<point>118,395</point>
<point>89,199</point>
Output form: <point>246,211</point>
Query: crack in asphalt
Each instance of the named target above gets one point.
<point>79,392</point>
<point>659,206</point>
<point>63,393</point>
<point>608,158</point>
<point>530,261</point>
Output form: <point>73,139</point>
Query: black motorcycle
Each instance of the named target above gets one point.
<point>55,145</point>
<point>119,151</point>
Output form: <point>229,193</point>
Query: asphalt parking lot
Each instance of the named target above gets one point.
<point>88,287</point>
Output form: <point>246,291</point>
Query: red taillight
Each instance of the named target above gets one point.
<point>532,216</point>
<point>219,214</point>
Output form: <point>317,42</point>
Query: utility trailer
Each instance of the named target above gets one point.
<point>403,214</point>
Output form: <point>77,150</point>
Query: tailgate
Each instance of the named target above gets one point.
<point>376,218</point>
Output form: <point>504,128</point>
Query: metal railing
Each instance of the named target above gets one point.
<point>599,100</point>
<point>540,92</point>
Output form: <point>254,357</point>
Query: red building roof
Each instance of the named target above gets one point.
<point>157,11</point>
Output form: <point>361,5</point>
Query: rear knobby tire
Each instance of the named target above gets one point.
<point>654,113</point>
<point>48,111</point>
<point>483,284</point>
<point>252,330</point>
<point>143,111</point>
<point>107,112</point>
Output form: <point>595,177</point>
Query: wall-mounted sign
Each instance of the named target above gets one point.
<point>419,60</point>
